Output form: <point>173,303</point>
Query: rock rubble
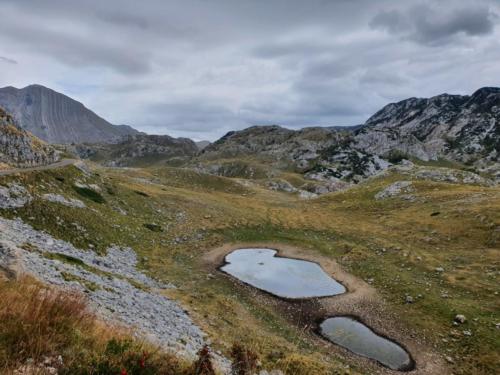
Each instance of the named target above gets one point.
<point>116,289</point>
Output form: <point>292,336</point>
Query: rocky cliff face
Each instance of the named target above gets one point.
<point>19,148</point>
<point>139,149</point>
<point>56,118</point>
<point>461,128</point>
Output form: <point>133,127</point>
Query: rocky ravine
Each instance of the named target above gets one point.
<point>116,289</point>
<point>18,148</point>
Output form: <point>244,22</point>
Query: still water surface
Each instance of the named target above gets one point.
<point>283,277</point>
<point>358,338</point>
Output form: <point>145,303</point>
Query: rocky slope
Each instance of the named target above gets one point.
<point>56,118</point>
<point>138,150</point>
<point>202,144</point>
<point>19,148</point>
<point>462,129</point>
<point>319,153</point>
<point>455,127</point>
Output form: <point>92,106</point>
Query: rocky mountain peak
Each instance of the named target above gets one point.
<point>461,128</point>
<point>57,118</point>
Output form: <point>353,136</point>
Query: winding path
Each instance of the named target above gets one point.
<point>59,164</point>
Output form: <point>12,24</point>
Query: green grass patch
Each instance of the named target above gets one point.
<point>65,258</point>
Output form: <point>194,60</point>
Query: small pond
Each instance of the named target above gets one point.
<point>283,277</point>
<point>358,338</point>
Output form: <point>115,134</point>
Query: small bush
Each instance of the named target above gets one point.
<point>141,193</point>
<point>395,156</point>
<point>110,190</point>
<point>89,194</point>
<point>153,227</point>
<point>203,365</point>
<point>244,361</point>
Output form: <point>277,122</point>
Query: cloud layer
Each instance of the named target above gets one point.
<point>200,68</point>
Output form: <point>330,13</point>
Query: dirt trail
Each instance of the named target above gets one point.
<point>59,164</point>
<point>361,301</point>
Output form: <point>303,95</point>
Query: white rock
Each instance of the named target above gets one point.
<point>395,189</point>
<point>70,202</point>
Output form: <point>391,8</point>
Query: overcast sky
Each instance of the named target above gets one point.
<point>199,68</point>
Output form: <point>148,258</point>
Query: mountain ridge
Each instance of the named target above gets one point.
<point>462,128</point>
<point>57,118</point>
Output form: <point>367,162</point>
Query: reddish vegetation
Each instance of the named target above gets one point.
<point>244,360</point>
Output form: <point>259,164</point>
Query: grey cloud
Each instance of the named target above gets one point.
<point>393,21</point>
<point>77,50</point>
<point>470,21</point>
<point>436,25</point>
<point>327,69</point>
<point>190,116</point>
<point>201,68</point>
<point>380,77</point>
<point>124,19</point>
<point>8,60</point>
<point>287,49</point>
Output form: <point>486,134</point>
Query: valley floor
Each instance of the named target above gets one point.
<point>412,259</point>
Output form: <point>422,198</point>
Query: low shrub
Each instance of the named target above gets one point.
<point>89,194</point>
<point>153,227</point>
<point>244,360</point>
<point>396,156</point>
<point>203,365</point>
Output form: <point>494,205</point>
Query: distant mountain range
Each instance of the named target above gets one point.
<point>56,118</point>
<point>454,127</point>
<point>460,128</point>
<point>463,129</point>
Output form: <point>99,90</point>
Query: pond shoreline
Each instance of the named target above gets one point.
<point>361,301</point>
<point>277,255</point>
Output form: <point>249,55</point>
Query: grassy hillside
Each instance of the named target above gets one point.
<point>174,218</point>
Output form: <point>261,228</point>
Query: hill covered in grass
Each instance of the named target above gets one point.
<point>415,247</point>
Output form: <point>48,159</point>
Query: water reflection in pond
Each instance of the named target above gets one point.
<point>283,277</point>
<point>360,339</point>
